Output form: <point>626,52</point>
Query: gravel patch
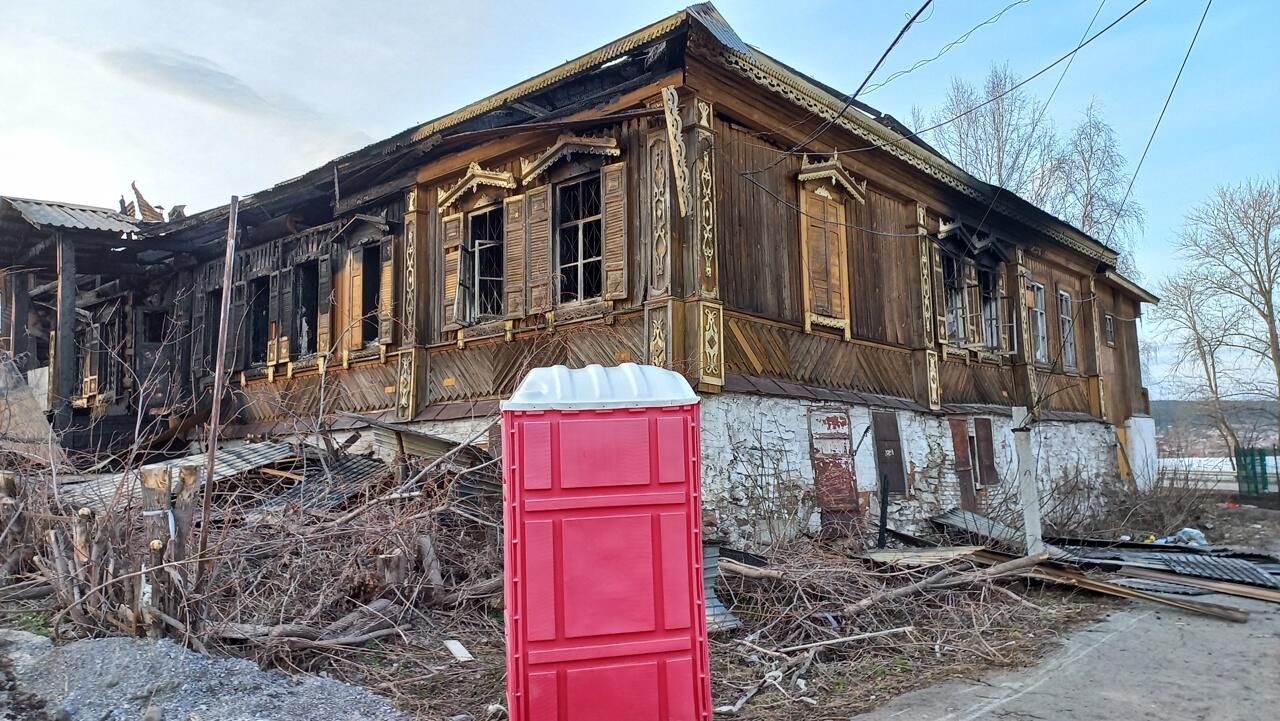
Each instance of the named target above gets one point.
<point>122,678</point>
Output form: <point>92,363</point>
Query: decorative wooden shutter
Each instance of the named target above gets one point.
<point>514,281</point>
<point>1003,311</point>
<point>284,329</point>
<point>387,292</point>
<point>273,316</point>
<point>987,473</point>
<point>540,271</point>
<point>835,238</point>
<point>464,296</point>
<point>972,302</point>
<point>452,242</point>
<point>89,384</point>
<point>354,326</point>
<point>324,304</point>
<point>236,345</point>
<point>613,185</point>
<point>817,259</point>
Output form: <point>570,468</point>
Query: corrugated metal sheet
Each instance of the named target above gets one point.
<point>1234,570</point>
<point>98,492</point>
<point>69,216</point>
<point>719,617</point>
<point>325,488</point>
<point>1143,584</point>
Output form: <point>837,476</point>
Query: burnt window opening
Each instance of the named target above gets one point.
<point>578,247</point>
<point>989,292</point>
<point>953,288</point>
<point>370,291</point>
<point>153,325</point>
<point>306,293</point>
<point>258,320</point>
<point>485,236</point>
<point>212,324</point>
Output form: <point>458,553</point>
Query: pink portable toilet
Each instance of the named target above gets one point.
<point>604,607</point>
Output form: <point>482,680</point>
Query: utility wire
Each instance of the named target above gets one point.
<point>1045,107</point>
<point>848,101</point>
<point>945,48</point>
<point>1152,137</point>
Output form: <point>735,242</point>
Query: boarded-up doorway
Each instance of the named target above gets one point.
<point>831,450</point>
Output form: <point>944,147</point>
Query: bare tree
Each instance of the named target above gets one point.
<point>1010,143</point>
<point>1233,240</point>
<point>1007,142</point>
<point>1093,177</point>
<point>1200,325</point>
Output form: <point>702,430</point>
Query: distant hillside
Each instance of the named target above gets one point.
<point>1185,428</point>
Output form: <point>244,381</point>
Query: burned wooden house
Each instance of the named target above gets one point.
<point>852,306</point>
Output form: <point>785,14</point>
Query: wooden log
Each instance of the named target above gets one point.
<point>742,569</point>
<point>1016,565</point>
<point>430,563</point>
<point>156,511</point>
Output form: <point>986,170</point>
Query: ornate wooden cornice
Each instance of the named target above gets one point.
<point>831,170</point>
<point>565,146</point>
<point>475,177</point>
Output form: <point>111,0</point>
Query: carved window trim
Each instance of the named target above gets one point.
<point>841,319</point>
<point>833,172</point>
<point>565,146</point>
<point>475,177</point>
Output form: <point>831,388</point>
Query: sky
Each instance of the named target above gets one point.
<point>197,101</point>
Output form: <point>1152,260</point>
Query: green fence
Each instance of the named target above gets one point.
<point>1251,469</point>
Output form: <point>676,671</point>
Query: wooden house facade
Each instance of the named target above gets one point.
<point>678,198</point>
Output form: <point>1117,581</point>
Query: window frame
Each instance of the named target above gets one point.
<point>837,268</point>
<point>474,314</point>
<point>558,224</point>
<point>992,330</point>
<point>1109,329</point>
<point>297,348</point>
<point>1067,331</point>
<point>1039,323</point>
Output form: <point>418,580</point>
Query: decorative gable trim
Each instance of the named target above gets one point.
<point>831,170</point>
<point>565,146</point>
<point>475,177</point>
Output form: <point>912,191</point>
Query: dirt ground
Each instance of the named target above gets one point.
<point>1139,663</point>
<point>1247,526</point>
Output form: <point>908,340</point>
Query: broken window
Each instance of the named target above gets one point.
<point>485,236</point>
<point>1039,329</point>
<point>212,325</point>
<point>1109,328</point>
<point>989,291</point>
<point>258,319</point>
<point>153,326</point>
<point>578,248</point>
<point>370,291</point>
<point>306,294</point>
<point>1067,329</point>
<point>953,287</point>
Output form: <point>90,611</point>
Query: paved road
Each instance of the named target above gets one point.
<point>1142,662</point>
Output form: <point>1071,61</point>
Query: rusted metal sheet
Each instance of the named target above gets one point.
<point>831,451</point>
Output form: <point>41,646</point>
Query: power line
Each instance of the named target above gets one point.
<point>1152,137</point>
<point>849,101</point>
<point>947,48</point>
<point>1045,107</point>
<point>994,98</point>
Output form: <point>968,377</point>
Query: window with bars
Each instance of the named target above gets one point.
<point>953,285</point>
<point>1109,328</point>
<point>578,247</point>
<point>1067,330</point>
<point>1039,329</point>
<point>485,234</point>
<point>989,297</point>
